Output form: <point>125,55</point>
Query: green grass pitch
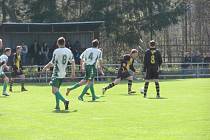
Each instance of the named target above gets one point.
<point>183,113</point>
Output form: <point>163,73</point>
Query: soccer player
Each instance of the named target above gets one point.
<point>126,71</point>
<point>151,67</point>
<point>89,59</point>
<point>3,66</point>
<point>61,57</point>
<point>18,69</point>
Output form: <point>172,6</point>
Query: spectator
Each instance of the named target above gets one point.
<point>33,52</point>
<point>187,59</point>
<point>77,56</point>
<point>206,60</point>
<point>40,58</point>
<point>24,53</point>
<point>76,45</point>
<point>68,44</point>
<point>197,57</point>
<point>44,52</point>
<point>51,50</point>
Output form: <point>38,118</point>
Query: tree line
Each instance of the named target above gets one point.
<point>125,20</point>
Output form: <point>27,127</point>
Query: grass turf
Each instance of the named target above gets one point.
<point>182,114</point>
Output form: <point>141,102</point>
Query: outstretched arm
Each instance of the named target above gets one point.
<point>46,67</point>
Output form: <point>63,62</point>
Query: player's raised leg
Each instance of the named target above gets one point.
<point>84,91</point>
<point>111,85</point>
<point>75,86</point>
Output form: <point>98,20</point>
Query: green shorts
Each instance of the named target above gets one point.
<point>56,82</point>
<point>2,75</point>
<point>90,72</point>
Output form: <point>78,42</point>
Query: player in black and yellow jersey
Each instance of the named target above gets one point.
<point>151,67</point>
<point>17,69</point>
<point>126,71</point>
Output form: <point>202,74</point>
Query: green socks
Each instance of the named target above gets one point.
<point>85,90</point>
<point>75,86</point>
<point>57,100</point>
<point>110,86</point>
<point>4,86</point>
<point>58,97</point>
<point>92,91</point>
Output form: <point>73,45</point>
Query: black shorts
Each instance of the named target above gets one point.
<point>152,74</point>
<point>17,73</point>
<point>123,74</point>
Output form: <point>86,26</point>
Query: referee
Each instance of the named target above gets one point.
<point>151,67</point>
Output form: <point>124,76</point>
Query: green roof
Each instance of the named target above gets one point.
<point>50,27</point>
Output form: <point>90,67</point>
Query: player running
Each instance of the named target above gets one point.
<point>61,57</point>
<point>126,71</point>
<point>151,68</point>
<point>89,59</point>
<point>3,66</point>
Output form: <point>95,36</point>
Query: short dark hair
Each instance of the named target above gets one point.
<point>152,43</point>
<point>95,43</point>
<point>7,49</point>
<point>61,41</point>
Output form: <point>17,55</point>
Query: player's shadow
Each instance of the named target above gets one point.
<point>161,98</point>
<point>102,96</point>
<point>3,96</point>
<point>96,101</point>
<point>64,111</point>
<point>126,94</point>
<point>17,92</point>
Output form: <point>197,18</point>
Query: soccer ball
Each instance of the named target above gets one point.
<point>142,90</point>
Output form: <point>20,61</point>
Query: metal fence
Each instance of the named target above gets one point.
<point>168,71</point>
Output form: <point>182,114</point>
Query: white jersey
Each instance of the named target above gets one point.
<point>61,57</point>
<point>3,58</point>
<point>91,55</point>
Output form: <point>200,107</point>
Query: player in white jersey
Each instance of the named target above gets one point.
<point>3,66</point>
<point>61,57</point>
<point>89,58</point>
